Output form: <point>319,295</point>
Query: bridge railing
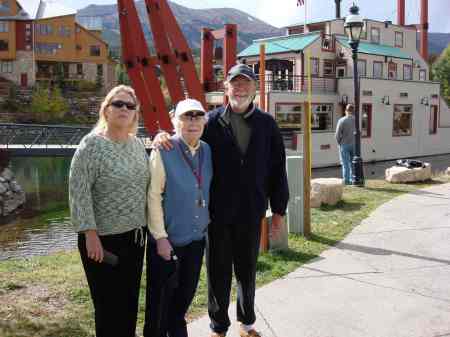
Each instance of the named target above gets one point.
<point>41,137</point>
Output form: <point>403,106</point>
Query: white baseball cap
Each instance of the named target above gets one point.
<point>189,104</point>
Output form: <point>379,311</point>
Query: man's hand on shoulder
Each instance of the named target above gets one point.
<point>162,140</point>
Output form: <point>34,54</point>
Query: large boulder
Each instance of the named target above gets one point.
<point>12,196</point>
<point>326,191</point>
<point>448,171</point>
<point>400,174</point>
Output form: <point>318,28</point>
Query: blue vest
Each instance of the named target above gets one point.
<point>186,220</point>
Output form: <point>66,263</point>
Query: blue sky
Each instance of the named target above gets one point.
<point>284,12</point>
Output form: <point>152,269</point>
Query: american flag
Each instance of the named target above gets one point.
<point>300,2</point>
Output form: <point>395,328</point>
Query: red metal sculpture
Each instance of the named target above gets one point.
<point>173,56</point>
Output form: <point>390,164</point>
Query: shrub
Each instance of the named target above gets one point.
<point>48,104</point>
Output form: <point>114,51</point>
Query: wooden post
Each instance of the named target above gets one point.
<point>306,170</point>
<point>262,77</point>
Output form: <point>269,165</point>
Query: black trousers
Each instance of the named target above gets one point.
<point>227,246</point>
<point>166,306</point>
<point>115,290</point>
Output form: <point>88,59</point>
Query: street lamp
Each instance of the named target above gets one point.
<point>353,27</point>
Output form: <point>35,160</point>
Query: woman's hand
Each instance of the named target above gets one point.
<point>93,245</point>
<point>164,248</point>
<point>162,139</point>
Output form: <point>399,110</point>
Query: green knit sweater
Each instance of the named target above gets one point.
<point>108,185</point>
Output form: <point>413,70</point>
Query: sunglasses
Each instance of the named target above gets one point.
<point>120,104</point>
<point>193,116</point>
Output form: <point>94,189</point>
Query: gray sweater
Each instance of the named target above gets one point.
<point>345,129</point>
<point>108,185</point>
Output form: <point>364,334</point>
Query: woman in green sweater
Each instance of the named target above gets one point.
<point>108,183</point>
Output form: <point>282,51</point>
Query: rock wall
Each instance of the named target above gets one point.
<point>12,196</point>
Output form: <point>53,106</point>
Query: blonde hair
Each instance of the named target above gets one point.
<point>102,122</point>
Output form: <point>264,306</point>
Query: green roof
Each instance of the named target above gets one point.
<point>376,49</point>
<point>284,44</point>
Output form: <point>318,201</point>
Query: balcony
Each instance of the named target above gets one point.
<point>289,83</point>
<point>45,76</point>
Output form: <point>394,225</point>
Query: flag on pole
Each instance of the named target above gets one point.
<point>300,2</point>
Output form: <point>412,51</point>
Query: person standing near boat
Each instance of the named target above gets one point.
<point>345,137</point>
<point>108,183</point>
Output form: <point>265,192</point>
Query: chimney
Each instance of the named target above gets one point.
<point>401,12</point>
<point>424,29</point>
<point>338,9</point>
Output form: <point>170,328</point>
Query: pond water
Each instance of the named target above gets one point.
<point>44,225</point>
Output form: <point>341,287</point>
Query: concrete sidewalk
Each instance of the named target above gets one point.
<point>390,277</point>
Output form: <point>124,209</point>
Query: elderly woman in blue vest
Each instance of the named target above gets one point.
<point>178,220</point>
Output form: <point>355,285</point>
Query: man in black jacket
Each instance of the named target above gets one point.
<point>249,165</point>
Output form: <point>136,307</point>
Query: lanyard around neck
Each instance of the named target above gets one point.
<point>197,174</point>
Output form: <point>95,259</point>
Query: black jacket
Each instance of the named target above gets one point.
<point>242,184</point>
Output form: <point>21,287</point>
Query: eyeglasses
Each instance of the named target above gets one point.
<point>192,116</point>
<point>120,104</point>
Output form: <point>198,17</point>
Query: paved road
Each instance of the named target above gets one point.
<point>390,277</point>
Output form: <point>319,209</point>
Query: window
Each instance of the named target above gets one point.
<point>341,71</point>
<point>288,116</point>
<point>4,6</point>
<point>4,27</point>
<point>6,67</point>
<point>322,117</point>
<point>366,120</point>
<point>402,125</point>
<point>99,69</point>
<point>64,31</point>
<point>47,48</point>
<point>375,35</point>
<point>422,75</point>
<point>392,70</point>
<point>377,69</point>
<point>362,68</point>
<point>328,68</point>
<point>314,66</point>
<point>327,42</point>
<point>433,119</point>
<point>79,68</point>
<point>398,39</point>
<point>4,46</point>
<point>95,50</point>
<point>44,29</point>
<point>407,72</point>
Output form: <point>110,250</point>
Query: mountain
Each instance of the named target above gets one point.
<point>193,20</point>
<point>437,42</point>
<point>190,20</point>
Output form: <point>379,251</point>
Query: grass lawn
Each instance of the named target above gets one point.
<point>48,296</point>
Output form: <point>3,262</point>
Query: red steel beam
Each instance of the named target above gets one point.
<point>141,69</point>
<point>218,34</point>
<point>207,55</point>
<point>182,52</point>
<point>229,47</point>
<point>165,55</point>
